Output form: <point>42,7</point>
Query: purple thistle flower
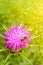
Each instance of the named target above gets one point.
<point>16,38</point>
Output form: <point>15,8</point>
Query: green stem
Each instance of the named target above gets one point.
<point>4,27</point>
<point>21,24</point>
<point>25,58</point>
<point>3,49</point>
<point>35,37</point>
<point>1,35</point>
<point>7,57</point>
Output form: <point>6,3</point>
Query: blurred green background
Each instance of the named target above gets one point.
<point>30,14</point>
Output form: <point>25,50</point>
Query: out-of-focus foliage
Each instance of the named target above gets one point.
<point>30,13</point>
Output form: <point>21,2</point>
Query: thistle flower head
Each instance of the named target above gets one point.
<point>17,37</point>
